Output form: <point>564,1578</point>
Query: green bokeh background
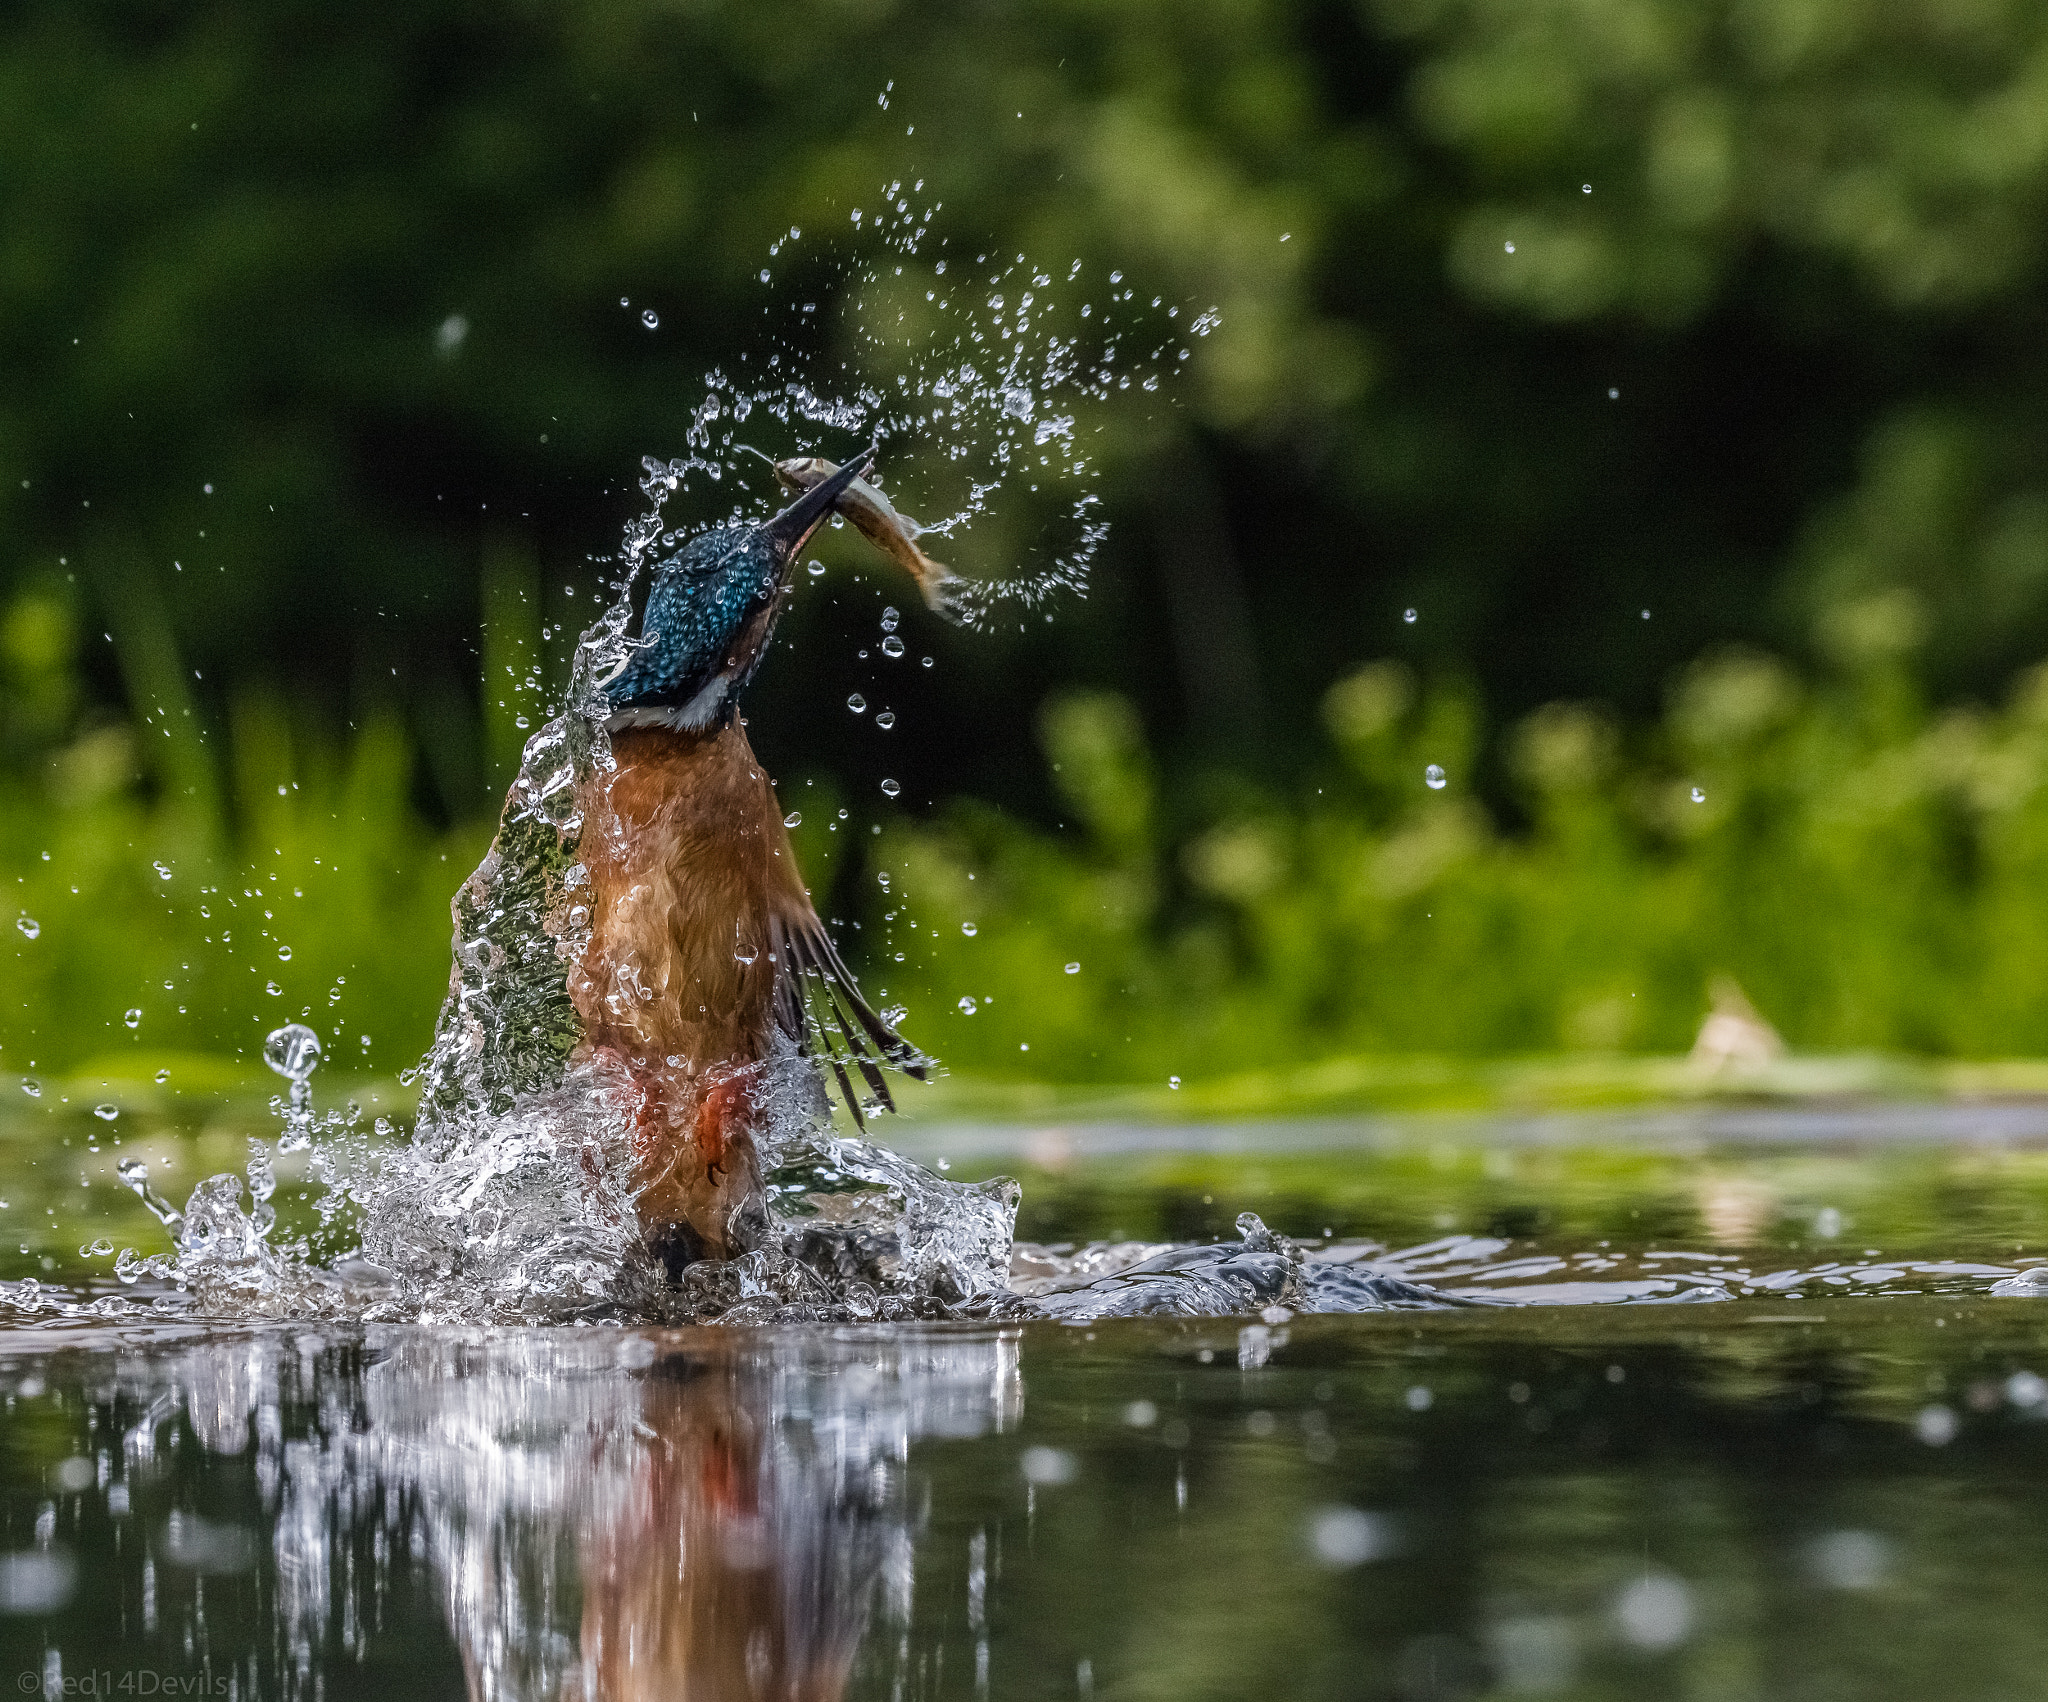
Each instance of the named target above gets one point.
<point>1680,365</point>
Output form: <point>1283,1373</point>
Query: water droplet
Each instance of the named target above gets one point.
<point>161,1077</point>
<point>892,646</point>
<point>1344,1537</point>
<point>106,1113</point>
<point>1408,615</point>
<point>1073,969</point>
<point>100,1249</point>
<point>764,274</point>
<point>273,989</point>
<point>795,818</point>
<point>857,703</point>
<point>134,1017</point>
<point>1174,1083</point>
<point>29,927</point>
<point>284,954</point>
<point>1698,796</point>
<point>649,318</point>
<point>889,619</point>
<point>163,872</point>
<point>967,1006</point>
<point>969,929</point>
<point>890,788</point>
<point>1434,778</point>
<point>1585,189</point>
<point>927,662</point>
<point>1048,1467</point>
<point>1655,1612</point>
<point>293,1051</point>
<point>1510,247</point>
<point>1614,395</point>
<point>31,1087</point>
<point>886,719</point>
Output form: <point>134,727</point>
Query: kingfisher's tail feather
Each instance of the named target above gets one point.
<point>818,1004</point>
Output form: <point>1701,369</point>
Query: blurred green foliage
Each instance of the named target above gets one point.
<point>147,924</point>
<point>1630,344</point>
<point>1867,870</point>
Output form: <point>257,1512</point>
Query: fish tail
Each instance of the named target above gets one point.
<point>945,592</point>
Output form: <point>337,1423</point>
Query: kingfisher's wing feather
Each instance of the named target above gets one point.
<point>819,1005</point>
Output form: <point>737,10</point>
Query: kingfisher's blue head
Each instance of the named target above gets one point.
<point>711,609</point>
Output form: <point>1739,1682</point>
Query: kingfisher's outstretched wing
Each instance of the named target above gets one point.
<point>818,1004</point>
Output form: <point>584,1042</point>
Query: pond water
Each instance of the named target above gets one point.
<point>1829,1481</point>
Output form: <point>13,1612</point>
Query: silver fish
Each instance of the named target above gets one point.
<point>878,521</point>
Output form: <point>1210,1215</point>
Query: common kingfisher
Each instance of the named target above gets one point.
<point>702,933</point>
<point>693,950</point>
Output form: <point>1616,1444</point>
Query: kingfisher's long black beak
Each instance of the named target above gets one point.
<point>790,530</point>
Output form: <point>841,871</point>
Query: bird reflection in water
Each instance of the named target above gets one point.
<point>609,1516</point>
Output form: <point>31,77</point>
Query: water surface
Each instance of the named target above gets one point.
<point>1841,1498</point>
<point>1714,1417</point>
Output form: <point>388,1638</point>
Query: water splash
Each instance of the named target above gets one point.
<point>985,377</point>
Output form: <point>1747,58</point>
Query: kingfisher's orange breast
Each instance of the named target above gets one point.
<point>688,861</point>
<point>687,858</point>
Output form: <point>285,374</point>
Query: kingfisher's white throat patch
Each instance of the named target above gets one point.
<point>691,717</point>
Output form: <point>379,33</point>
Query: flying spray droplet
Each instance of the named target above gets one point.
<point>1434,778</point>
<point>293,1051</point>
